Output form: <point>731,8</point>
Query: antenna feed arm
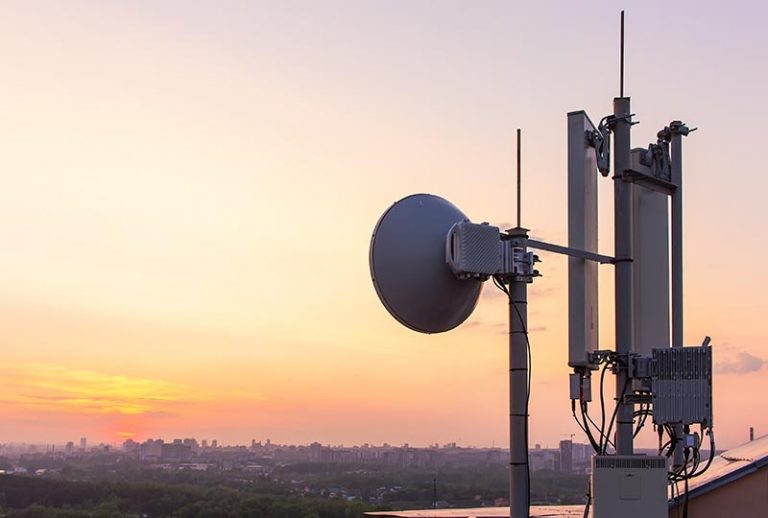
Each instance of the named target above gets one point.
<point>600,140</point>
<point>674,128</point>
<point>610,120</point>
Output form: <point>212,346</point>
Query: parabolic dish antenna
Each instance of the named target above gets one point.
<point>409,270</point>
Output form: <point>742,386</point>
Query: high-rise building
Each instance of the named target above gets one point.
<point>176,452</point>
<point>566,456</point>
<point>214,443</point>
<point>315,452</point>
<point>83,443</point>
<point>150,450</point>
<point>130,446</point>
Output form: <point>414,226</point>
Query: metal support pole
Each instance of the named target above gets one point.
<point>519,180</point>
<point>519,480</point>
<point>623,192</point>
<point>677,263</point>
<point>677,240</point>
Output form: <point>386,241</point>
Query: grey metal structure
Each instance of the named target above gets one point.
<point>629,486</point>
<point>673,385</point>
<point>676,132</point>
<point>428,263</point>
<point>682,385</point>
<point>623,241</point>
<point>519,490</point>
<point>674,136</point>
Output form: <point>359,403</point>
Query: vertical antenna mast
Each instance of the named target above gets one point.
<point>519,373</point>
<point>623,243</point>
<point>519,181</point>
<point>621,66</point>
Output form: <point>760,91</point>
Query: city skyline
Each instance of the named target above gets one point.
<point>213,442</point>
<point>189,450</point>
<point>190,190</point>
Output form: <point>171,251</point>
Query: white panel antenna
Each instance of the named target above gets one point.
<point>583,337</point>
<point>651,261</point>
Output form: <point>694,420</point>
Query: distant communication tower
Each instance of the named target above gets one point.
<point>429,262</point>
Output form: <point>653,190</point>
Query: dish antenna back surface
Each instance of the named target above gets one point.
<point>408,265</point>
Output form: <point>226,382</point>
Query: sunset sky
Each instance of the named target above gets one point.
<point>188,191</point>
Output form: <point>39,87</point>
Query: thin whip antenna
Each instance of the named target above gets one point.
<point>519,179</point>
<point>621,71</point>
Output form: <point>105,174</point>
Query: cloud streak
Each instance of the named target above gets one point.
<point>498,327</point>
<point>740,363</point>
<point>491,292</point>
<point>53,388</point>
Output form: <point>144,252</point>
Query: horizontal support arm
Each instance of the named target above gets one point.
<point>582,254</point>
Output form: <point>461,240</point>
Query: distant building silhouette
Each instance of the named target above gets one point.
<point>566,456</point>
<point>176,452</point>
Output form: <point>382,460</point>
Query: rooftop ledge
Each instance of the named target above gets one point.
<point>538,511</point>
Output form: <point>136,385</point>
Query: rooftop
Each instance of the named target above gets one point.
<point>726,467</point>
<point>731,465</point>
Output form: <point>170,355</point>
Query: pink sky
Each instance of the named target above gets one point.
<point>188,193</point>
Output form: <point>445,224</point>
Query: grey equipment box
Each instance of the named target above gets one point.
<point>682,385</point>
<point>629,486</point>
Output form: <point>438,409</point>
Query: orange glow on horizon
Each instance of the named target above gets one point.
<point>52,388</point>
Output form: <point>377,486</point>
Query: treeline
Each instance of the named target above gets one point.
<point>459,486</point>
<point>22,496</point>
